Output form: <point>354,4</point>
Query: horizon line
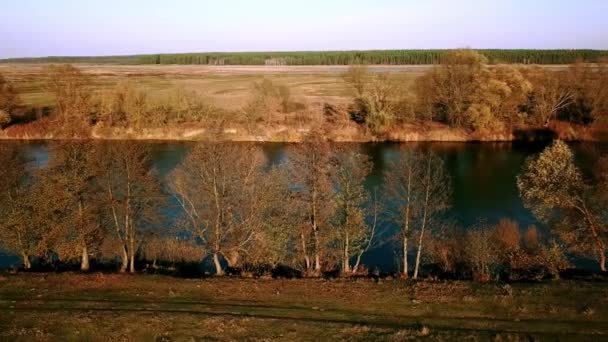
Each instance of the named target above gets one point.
<point>297,51</point>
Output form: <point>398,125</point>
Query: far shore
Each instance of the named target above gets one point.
<point>346,133</point>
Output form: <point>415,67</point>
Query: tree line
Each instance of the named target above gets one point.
<point>224,204</point>
<point>385,57</point>
<point>465,92</point>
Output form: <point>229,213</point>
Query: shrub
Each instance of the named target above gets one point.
<point>481,253</point>
<point>5,119</point>
<point>268,99</point>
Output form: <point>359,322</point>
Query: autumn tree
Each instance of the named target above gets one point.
<point>217,187</point>
<point>553,188</point>
<point>19,233</point>
<point>589,85</point>
<point>267,100</point>
<point>464,92</point>
<point>549,95</point>
<point>70,196</point>
<point>401,190</point>
<point>376,97</point>
<point>497,98</point>
<point>431,200</point>
<point>481,252</point>
<point>445,91</point>
<point>357,76</point>
<point>508,238</point>
<point>132,195</point>
<point>276,241</point>
<point>310,171</point>
<point>71,90</point>
<point>9,101</point>
<point>354,234</point>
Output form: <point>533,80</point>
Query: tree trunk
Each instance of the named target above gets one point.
<point>132,253</point>
<point>305,252</point>
<point>346,261</point>
<point>233,259</point>
<point>418,254</point>
<point>405,265</point>
<point>317,257</point>
<point>125,260</point>
<point>599,244</point>
<point>84,263</point>
<point>424,217</point>
<point>218,265</point>
<point>27,264</point>
<point>357,263</point>
<point>132,263</point>
<point>407,222</point>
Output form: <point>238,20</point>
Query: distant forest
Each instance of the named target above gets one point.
<point>387,57</point>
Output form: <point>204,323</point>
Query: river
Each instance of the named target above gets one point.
<point>483,179</point>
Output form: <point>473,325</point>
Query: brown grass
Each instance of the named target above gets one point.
<point>128,307</point>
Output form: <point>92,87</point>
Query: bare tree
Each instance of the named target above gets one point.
<point>481,251</point>
<point>18,230</point>
<point>419,190</point>
<point>357,76</point>
<point>400,187</point>
<point>124,104</point>
<point>434,199</point>
<point>217,187</point>
<point>310,168</point>
<point>71,89</point>
<point>589,84</point>
<point>276,240</point>
<point>550,94</point>
<point>132,193</point>
<point>354,233</point>
<point>69,189</point>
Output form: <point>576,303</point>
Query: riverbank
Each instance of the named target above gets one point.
<point>114,307</point>
<point>242,103</point>
<point>345,132</point>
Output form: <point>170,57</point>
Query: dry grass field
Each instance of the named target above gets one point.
<point>228,87</point>
<point>123,307</point>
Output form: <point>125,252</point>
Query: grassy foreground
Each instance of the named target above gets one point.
<point>123,307</point>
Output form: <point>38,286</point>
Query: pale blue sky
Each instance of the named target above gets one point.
<point>112,27</point>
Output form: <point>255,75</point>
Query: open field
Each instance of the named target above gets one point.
<point>225,86</point>
<point>123,307</point>
<point>228,87</point>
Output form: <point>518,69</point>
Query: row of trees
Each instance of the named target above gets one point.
<point>463,91</point>
<point>391,57</point>
<point>387,57</point>
<point>314,214</point>
<point>224,203</point>
<point>67,209</point>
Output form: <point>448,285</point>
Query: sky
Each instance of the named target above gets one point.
<point>32,28</point>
